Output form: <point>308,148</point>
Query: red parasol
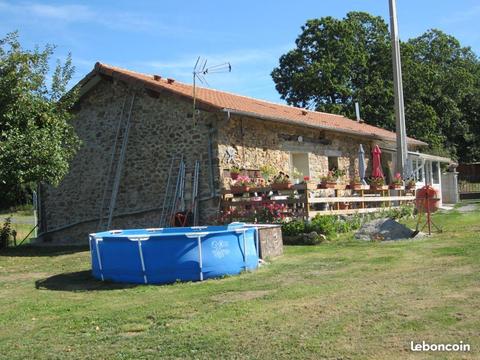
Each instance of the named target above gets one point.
<point>377,165</point>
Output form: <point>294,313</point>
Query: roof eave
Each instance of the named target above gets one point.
<point>313,126</point>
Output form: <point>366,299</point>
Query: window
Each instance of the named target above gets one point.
<point>435,173</point>
<point>299,162</point>
<point>332,163</point>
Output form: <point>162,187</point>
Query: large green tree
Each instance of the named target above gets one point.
<point>36,140</point>
<point>338,62</point>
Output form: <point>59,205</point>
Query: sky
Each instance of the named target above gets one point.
<point>166,37</point>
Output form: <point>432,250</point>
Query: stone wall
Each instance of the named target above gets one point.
<point>160,126</point>
<point>258,142</point>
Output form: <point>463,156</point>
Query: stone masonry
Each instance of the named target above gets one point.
<point>162,126</point>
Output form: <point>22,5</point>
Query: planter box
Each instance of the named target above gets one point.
<point>239,189</point>
<point>282,186</point>
<point>378,188</point>
<point>397,187</point>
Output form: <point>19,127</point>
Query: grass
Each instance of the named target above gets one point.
<point>343,300</point>
<point>22,224</point>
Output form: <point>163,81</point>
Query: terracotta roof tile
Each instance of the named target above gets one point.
<point>254,107</point>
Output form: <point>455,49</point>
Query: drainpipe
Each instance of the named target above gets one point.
<point>211,173</point>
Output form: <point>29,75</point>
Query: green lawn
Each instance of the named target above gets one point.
<point>344,300</point>
<point>22,224</point>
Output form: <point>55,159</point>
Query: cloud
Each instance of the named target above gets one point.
<point>77,13</point>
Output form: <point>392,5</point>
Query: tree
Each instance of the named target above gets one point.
<point>36,139</point>
<point>441,75</point>
<point>338,62</point>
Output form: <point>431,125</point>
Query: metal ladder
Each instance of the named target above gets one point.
<point>114,171</point>
<point>174,190</point>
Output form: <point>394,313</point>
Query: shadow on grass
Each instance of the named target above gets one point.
<point>32,251</point>
<point>77,282</point>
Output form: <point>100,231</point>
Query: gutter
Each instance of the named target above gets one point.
<point>296,123</point>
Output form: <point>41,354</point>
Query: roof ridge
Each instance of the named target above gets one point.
<point>229,93</point>
<point>221,99</point>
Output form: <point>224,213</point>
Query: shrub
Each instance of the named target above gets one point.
<point>293,228</point>
<point>326,224</point>
<point>6,232</point>
<point>311,238</point>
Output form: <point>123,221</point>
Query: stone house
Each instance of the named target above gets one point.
<point>225,129</point>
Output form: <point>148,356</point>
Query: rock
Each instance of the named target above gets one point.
<point>384,230</point>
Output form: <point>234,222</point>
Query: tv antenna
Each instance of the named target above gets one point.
<point>200,70</point>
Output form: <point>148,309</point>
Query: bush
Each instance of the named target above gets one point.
<point>6,233</point>
<point>300,232</point>
<point>311,238</point>
<point>326,224</point>
<point>293,228</point>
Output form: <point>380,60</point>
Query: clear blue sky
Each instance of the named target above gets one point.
<point>165,37</point>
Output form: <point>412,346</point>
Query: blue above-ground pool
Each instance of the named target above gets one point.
<point>161,256</point>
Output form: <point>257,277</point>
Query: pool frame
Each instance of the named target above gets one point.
<point>181,240</point>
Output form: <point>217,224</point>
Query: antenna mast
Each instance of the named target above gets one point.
<point>200,70</point>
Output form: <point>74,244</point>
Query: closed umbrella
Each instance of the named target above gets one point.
<point>361,164</point>
<point>376,163</point>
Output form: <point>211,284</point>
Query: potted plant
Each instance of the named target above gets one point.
<point>267,172</point>
<point>297,176</point>
<point>329,181</point>
<point>241,185</point>
<point>397,182</point>
<point>339,174</point>
<point>281,182</point>
<point>234,172</point>
<point>378,183</point>
<point>357,184</point>
<point>410,184</point>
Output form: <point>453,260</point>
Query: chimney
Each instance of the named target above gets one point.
<point>357,112</point>
<point>156,77</point>
<point>170,80</point>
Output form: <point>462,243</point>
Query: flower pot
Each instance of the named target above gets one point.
<point>354,186</point>
<point>396,187</point>
<point>328,185</point>
<point>239,189</point>
<point>234,176</point>
<point>344,206</point>
<point>281,186</point>
<point>410,187</point>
